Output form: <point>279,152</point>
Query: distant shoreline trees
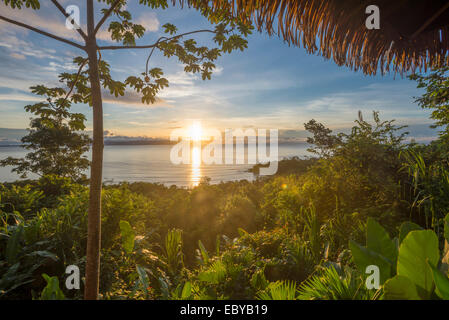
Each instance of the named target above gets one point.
<point>55,139</point>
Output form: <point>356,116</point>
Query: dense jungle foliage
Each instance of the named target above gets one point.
<point>297,235</point>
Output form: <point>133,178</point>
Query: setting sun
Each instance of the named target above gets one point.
<point>196,131</point>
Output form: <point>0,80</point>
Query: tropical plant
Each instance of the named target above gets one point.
<point>280,290</point>
<point>51,290</point>
<point>334,283</point>
<point>85,85</point>
<point>55,138</point>
<point>409,266</point>
<point>436,95</point>
<point>429,188</point>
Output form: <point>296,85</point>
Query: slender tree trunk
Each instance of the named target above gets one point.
<point>94,214</point>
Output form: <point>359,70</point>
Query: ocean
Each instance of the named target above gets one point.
<point>151,163</point>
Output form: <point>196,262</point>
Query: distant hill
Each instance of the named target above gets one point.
<point>11,137</point>
<point>420,132</point>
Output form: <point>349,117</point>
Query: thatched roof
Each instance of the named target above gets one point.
<point>413,34</point>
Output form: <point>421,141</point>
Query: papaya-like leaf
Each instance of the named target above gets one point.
<point>378,240</point>
<point>400,288</point>
<point>364,257</point>
<point>416,249</point>
<point>405,228</point>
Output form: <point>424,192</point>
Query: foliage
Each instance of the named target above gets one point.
<point>436,96</point>
<point>51,290</point>
<point>55,138</point>
<point>416,275</point>
<point>292,236</point>
<point>333,283</point>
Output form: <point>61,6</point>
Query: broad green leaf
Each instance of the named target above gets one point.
<point>441,283</point>
<point>415,250</point>
<point>364,257</point>
<point>378,240</point>
<point>128,236</point>
<point>406,227</point>
<point>400,288</point>
<point>187,290</point>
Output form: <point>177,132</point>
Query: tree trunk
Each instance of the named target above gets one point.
<point>94,213</point>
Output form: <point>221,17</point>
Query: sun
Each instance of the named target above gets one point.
<point>196,131</point>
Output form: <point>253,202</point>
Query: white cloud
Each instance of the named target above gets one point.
<point>18,97</point>
<point>148,20</point>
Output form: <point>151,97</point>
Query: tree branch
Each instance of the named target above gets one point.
<point>154,44</point>
<point>80,31</point>
<point>106,15</point>
<point>76,80</point>
<point>151,53</point>
<point>20,24</point>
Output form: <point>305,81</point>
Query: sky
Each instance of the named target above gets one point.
<point>268,86</point>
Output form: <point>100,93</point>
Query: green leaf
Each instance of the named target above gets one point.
<point>415,250</point>
<point>441,282</point>
<point>280,290</point>
<point>364,257</point>
<point>400,288</point>
<point>215,274</point>
<point>143,281</point>
<point>204,253</point>
<point>378,240</point>
<point>128,236</point>
<point>406,227</point>
<point>186,291</point>
<point>258,280</point>
<point>51,290</point>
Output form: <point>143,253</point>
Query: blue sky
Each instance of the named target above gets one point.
<point>269,85</point>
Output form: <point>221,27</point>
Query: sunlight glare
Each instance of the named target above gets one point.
<point>196,131</point>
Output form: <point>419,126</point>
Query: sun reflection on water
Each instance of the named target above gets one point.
<point>196,167</point>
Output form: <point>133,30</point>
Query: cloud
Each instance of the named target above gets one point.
<point>132,99</point>
<point>19,97</point>
<point>18,56</point>
<point>21,74</point>
<point>149,21</point>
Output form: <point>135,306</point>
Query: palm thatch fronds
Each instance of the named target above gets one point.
<point>413,34</point>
